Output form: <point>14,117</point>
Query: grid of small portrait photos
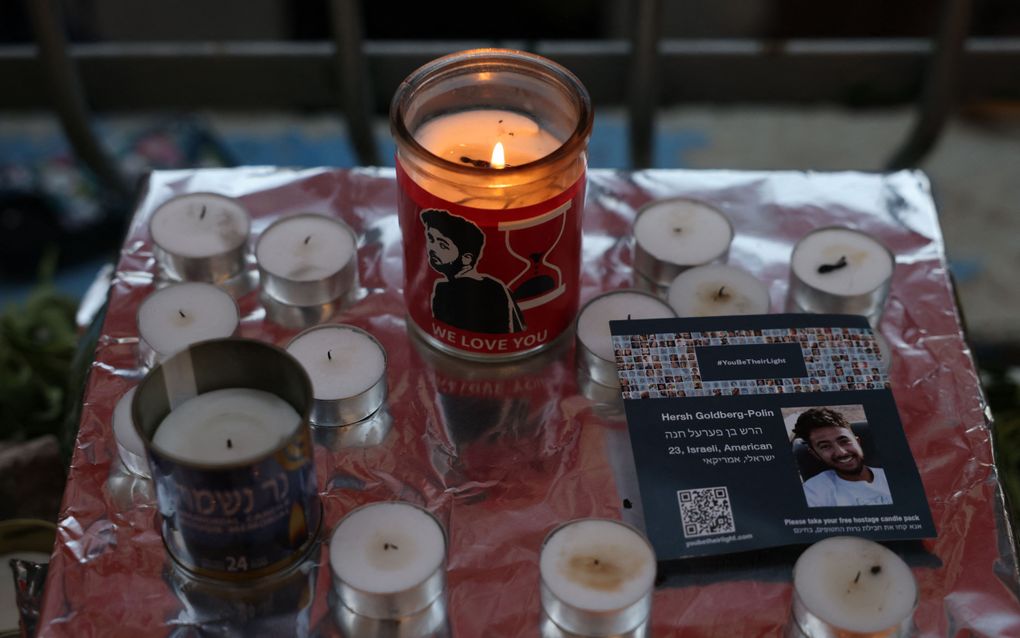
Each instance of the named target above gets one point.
<point>664,365</point>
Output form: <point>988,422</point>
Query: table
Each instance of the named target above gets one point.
<point>501,454</point>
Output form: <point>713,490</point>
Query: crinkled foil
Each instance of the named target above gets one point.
<point>503,453</point>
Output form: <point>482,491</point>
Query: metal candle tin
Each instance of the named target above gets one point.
<point>349,410</point>
<point>213,268</point>
<point>586,622</point>
<point>317,292</point>
<point>807,298</point>
<point>232,521</point>
<point>506,283</point>
<point>399,604</point>
<point>655,274</point>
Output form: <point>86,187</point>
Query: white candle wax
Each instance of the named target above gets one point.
<point>593,322</point>
<point>471,135</point>
<point>841,261</point>
<point>177,316</point>
<point>717,290</point>
<point>226,426</point>
<point>305,248</point>
<point>597,565</point>
<point>129,444</point>
<point>683,232</point>
<point>8,595</point>
<point>200,225</point>
<point>340,360</point>
<point>855,585</point>
<point>385,548</point>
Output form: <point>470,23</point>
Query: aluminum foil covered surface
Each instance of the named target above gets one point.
<point>503,453</point>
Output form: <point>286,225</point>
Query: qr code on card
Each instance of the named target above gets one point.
<point>706,511</point>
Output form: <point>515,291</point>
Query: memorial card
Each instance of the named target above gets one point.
<point>759,431</point>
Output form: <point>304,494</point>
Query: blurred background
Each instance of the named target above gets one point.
<point>96,93</point>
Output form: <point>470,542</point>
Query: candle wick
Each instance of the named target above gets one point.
<point>479,163</point>
<point>308,239</point>
<point>876,569</point>
<point>230,444</point>
<point>329,355</point>
<point>722,293</point>
<point>595,561</point>
<point>389,546</point>
<point>181,313</point>
<point>678,229</point>
<point>202,214</point>
<point>827,268</point>
<point>857,577</point>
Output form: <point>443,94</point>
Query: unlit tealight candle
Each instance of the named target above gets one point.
<point>840,270</point>
<point>129,444</point>
<point>852,586</point>
<point>388,559</point>
<point>200,236</point>
<point>172,318</point>
<point>226,427</point>
<point>672,235</point>
<point>717,290</point>
<point>595,352</point>
<point>307,259</point>
<point>597,577</point>
<point>347,367</point>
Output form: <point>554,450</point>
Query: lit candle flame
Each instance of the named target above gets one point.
<point>498,160</point>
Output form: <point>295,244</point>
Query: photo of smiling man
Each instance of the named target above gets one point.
<point>846,479</point>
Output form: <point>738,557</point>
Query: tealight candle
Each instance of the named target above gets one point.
<point>226,427</point>
<point>129,445</point>
<point>671,235</point>
<point>200,237</point>
<point>717,290</point>
<point>840,270</point>
<point>388,560</point>
<point>597,577</point>
<point>595,353</point>
<point>846,586</point>
<point>307,259</point>
<point>172,318</point>
<point>347,367</point>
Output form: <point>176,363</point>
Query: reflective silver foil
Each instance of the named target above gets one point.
<point>502,454</point>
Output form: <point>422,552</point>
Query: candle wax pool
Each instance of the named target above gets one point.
<point>593,323</point>
<point>386,547</point>
<point>597,565</point>
<point>177,316</point>
<point>226,426</point>
<point>717,290</point>
<point>683,232</point>
<point>340,361</point>
<point>855,584</point>
<point>200,225</point>
<point>305,248</point>
<point>841,261</point>
<point>468,137</point>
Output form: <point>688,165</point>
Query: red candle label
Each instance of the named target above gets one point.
<point>490,282</point>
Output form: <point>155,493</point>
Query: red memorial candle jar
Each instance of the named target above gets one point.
<point>491,160</point>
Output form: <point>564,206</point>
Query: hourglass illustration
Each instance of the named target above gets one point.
<point>531,241</point>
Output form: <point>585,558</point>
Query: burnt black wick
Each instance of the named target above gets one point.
<point>230,444</point>
<point>721,294</point>
<point>827,268</point>
<point>329,355</point>
<point>857,577</point>
<point>308,239</point>
<point>389,546</point>
<point>595,562</point>
<point>876,569</point>
<point>677,230</point>
<point>181,313</point>
<point>202,214</point>
<point>478,163</point>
